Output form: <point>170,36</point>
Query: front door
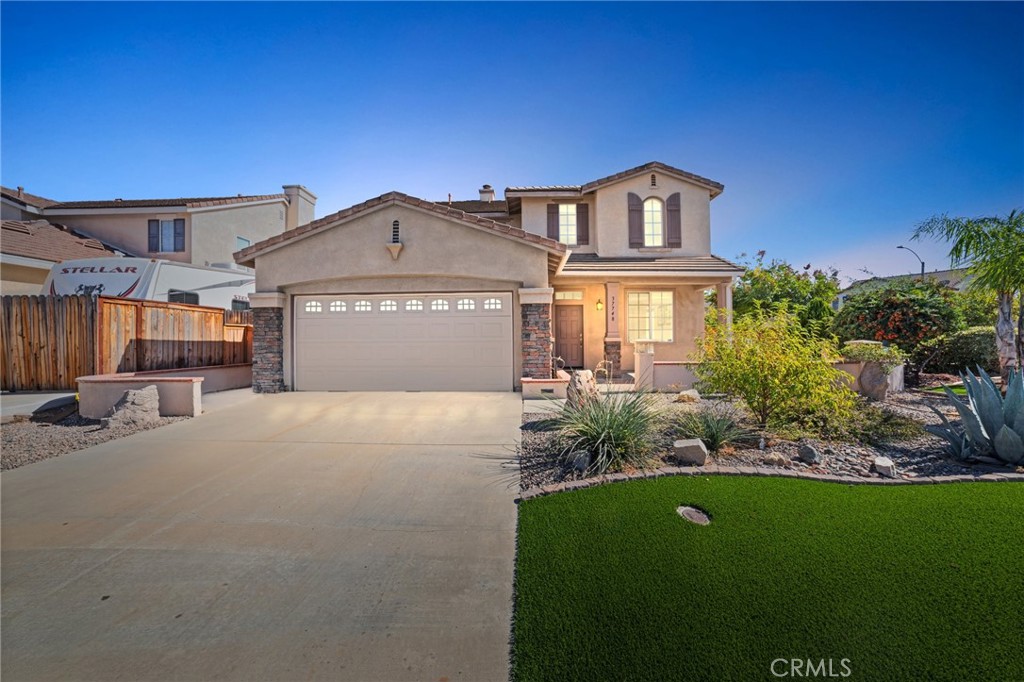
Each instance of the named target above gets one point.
<point>569,334</point>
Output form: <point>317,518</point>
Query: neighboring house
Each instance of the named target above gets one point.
<point>202,231</point>
<point>28,249</point>
<point>957,278</point>
<point>399,293</point>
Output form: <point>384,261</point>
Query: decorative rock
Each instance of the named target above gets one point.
<point>688,396</point>
<point>874,382</point>
<point>582,388</point>
<point>885,467</point>
<point>581,462</point>
<point>808,454</point>
<point>137,407</point>
<point>775,459</point>
<point>691,451</point>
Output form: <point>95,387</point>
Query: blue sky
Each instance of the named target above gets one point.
<point>834,127</point>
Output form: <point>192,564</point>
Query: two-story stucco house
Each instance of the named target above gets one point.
<point>200,231</point>
<point>399,293</point>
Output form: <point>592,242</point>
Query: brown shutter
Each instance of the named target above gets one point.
<point>154,236</point>
<point>179,234</point>
<point>636,221</point>
<point>582,224</point>
<point>675,222</point>
<point>553,221</point>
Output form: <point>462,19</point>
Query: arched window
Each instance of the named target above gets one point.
<point>439,305</point>
<point>314,307</point>
<point>388,306</point>
<point>337,306</point>
<point>492,304</point>
<point>363,306</point>
<point>413,305</point>
<point>466,304</point>
<point>654,222</point>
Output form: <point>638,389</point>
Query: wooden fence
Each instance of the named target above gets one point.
<point>49,341</point>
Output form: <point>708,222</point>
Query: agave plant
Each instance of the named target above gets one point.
<point>992,428</point>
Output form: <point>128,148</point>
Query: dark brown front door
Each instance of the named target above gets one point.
<point>569,334</point>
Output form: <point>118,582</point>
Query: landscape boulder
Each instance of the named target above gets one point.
<point>137,407</point>
<point>808,454</point>
<point>690,451</point>
<point>688,396</point>
<point>885,467</point>
<point>874,382</point>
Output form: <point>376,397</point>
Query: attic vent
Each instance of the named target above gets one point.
<point>92,244</point>
<point>654,180</point>
<point>17,227</point>
<point>395,236</point>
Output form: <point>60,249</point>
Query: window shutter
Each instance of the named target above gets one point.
<point>582,224</point>
<point>675,222</point>
<point>636,221</point>
<point>154,236</point>
<point>553,221</point>
<point>179,234</point>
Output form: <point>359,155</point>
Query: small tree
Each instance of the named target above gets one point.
<point>993,249</point>
<point>783,373</point>
<point>769,286</point>
<point>905,312</point>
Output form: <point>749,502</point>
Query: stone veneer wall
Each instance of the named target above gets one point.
<point>537,340</point>
<point>267,350</point>
<point>613,354</point>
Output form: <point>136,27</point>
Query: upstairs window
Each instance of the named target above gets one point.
<point>654,223</point>
<point>567,223</point>
<point>167,236</point>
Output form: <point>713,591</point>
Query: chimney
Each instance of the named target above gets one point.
<point>301,203</point>
<point>21,191</point>
<point>487,193</point>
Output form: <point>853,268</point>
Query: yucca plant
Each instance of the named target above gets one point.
<point>992,428</point>
<point>716,426</point>
<point>611,430</point>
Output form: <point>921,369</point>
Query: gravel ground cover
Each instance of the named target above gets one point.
<point>25,441</point>
<point>922,455</point>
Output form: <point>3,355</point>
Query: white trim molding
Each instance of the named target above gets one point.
<point>267,299</point>
<point>540,295</point>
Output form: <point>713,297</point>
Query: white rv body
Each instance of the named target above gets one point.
<point>151,280</point>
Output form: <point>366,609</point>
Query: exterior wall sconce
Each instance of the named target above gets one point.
<point>600,305</point>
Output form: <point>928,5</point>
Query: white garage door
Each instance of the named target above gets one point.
<point>421,342</point>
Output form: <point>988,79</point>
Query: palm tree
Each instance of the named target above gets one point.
<point>992,248</point>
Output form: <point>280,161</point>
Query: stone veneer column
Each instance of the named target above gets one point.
<point>612,337</point>
<point>267,342</point>
<point>537,339</point>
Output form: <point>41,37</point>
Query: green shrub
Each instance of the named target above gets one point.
<point>906,313</point>
<point>614,430</point>
<point>782,372</point>
<point>715,426</point>
<point>955,352</point>
<point>889,357</point>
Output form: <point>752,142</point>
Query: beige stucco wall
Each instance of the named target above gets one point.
<point>214,232</point>
<point>437,255</point>
<point>535,218</point>
<point>128,231</point>
<point>609,216</point>
<point>687,317</point>
<point>21,279</point>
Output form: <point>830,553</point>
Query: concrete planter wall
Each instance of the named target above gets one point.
<point>180,390</point>
<point>546,388</point>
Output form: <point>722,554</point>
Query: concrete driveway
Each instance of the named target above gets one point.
<point>302,536</point>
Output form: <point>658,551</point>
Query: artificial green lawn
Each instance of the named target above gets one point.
<point>910,582</point>
<point>959,390</point>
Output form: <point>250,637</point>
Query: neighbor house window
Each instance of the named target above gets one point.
<point>567,223</point>
<point>167,235</point>
<point>178,296</point>
<point>654,224</point>
<point>239,305</point>
<point>649,316</point>
<point>242,243</point>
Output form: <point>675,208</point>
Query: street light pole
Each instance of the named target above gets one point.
<point>915,256</point>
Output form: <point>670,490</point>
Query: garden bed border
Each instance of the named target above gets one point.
<point>767,472</point>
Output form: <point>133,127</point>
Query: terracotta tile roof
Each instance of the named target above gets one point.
<point>582,263</point>
<point>25,198</point>
<point>247,254</point>
<point>715,187</point>
<point>194,202</point>
<point>46,241</point>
